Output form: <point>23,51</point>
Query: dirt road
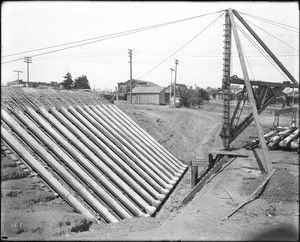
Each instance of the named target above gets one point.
<point>187,133</point>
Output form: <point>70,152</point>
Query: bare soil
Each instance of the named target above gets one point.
<point>32,211</point>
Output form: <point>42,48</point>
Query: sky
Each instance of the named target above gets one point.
<point>196,43</point>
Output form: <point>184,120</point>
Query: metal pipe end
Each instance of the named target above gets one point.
<point>144,215</point>
<point>161,197</point>
<point>168,187</point>
<point>175,179</point>
<point>150,210</point>
<point>177,175</point>
<point>171,183</point>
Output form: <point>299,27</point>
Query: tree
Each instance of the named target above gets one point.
<point>68,81</point>
<point>192,97</point>
<point>81,83</point>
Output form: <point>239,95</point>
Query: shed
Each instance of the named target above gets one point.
<point>148,95</point>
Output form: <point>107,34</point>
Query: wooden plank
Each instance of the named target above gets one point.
<point>199,186</point>
<point>266,157</point>
<point>253,194</point>
<point>228,152</point>
<point>262,83</point>
<point>286,110</point>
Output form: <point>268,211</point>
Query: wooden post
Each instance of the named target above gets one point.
<point>266,157</point>
<point>194,174</point>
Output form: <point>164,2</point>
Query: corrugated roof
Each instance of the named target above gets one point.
<point>156,89</point>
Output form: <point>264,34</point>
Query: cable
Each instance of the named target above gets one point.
<point>261,51</point>
<point>123,32</point>
<point>248,62</point>
<point>272,22</point>
<point>273,36</point>
<point>181,47</point>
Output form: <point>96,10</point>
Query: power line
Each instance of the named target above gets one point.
<point>260,50</point>
<point>272,22</point>
<point>119,33</point>
<point>273,36</point>
<point>181,47</point>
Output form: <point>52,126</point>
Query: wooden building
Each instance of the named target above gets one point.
<point>123,88</point>
<point>149,95</point>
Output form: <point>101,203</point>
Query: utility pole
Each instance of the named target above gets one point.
<point>28,60</point>
<point>176,63</point>
<point>171,87</point>
<point>18,73</point>
<point>130,62</point>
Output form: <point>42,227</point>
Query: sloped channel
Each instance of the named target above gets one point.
<point>89,151</point>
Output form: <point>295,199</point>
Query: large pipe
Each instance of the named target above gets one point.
<point>127,119</point>
<point>89,167</point>
<point>106,170</point>
<point>143,138</point>
<point>76,155</point>
<point>295,145</point>
<point>112,160</point>
<point>286,142</point>
<point>42,171</point>
<point>59,168</point>
<point>125,153</point>
<point>146,160</point>
<point>160,161</point>
<point>123,164</point>
<point>274,141</point>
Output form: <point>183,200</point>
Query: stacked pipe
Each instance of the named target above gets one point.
<point>284,138</point>
<point>94,150</point>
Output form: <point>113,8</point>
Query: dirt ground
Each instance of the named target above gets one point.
<point>32,211</point>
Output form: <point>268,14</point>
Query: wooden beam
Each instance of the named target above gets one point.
<point>266,157</point>
<point>262,83</point>
<point>282,67</point>
<point>200,185</point>
<point>253,194</point>
<point>286,110</point>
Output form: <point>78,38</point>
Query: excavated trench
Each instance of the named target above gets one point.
<point>89,152</point>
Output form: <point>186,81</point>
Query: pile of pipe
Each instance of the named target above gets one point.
<point>280,138</point>
<point>89,152</point>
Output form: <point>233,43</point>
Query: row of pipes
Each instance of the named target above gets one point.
<point>285,138</point>
<point>117,168</point>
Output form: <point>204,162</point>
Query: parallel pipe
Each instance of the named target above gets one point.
<point>167,163</point>
<point>106,170</point>
<point>274,141</point>
<point>173,160</point>
<point>123,164</point>
<point>65,158</point>
<point>145,162</point>
<point>126,154</point>
<point>286,142</point>
<point>127,119</point>
<point>159,161</point>
<point>59,168</point>
<point>110,158</point>
<point>295,145</point>
<point>42,171</point>
<point>89,167</point>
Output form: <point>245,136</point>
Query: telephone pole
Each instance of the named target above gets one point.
<point>18,73</point>
<point>28,60</point>
<point>176,63</point>
<point>171,87</point>
<point>130,62</point>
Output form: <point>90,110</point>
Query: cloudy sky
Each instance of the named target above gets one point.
<point>31,28</point>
